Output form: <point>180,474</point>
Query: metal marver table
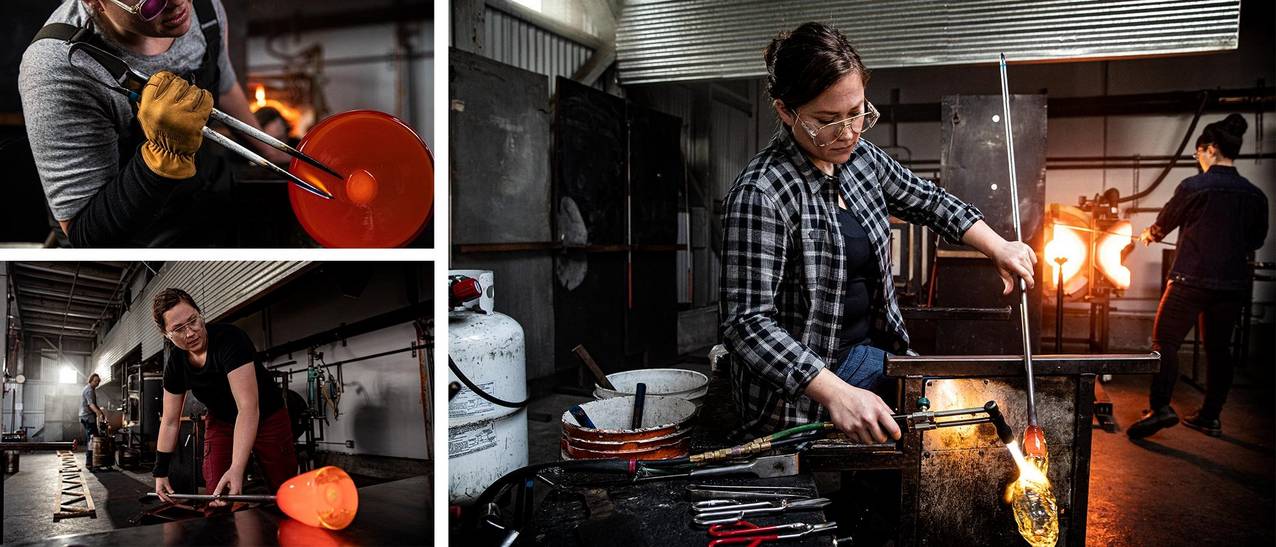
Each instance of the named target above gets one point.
<point>391,513</point>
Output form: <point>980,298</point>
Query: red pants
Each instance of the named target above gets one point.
<point>273,447</point>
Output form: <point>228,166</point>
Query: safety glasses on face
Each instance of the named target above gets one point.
<point>829,133</point>
<point>146,9</point>
<point>191,324</point>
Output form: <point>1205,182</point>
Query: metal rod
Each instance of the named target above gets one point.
<point>37,446</point>
<point>262,498</point>
<point>236,124</point>
<point>1014,209</point>
<point>257,159</point>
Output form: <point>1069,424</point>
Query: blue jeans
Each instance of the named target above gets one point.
<point>863,367</point>
<point>90,429</point>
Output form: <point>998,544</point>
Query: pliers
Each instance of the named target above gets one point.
<point>745,532</point>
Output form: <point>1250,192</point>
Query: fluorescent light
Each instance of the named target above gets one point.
<point>530,4</point>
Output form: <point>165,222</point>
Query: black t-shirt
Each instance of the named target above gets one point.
<point>861,271</point>
<point>228,349</point>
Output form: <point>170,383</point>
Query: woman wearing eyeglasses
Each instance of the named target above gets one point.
<point>117,174</point>
<point>246,415</point>
<point>807,303</point>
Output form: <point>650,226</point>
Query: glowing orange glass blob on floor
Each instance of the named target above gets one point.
<point>388,191</point>
<point>1032,500</point>
<point>324,498</point>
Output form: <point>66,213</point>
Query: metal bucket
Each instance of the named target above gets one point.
<point>669,382</point>
<point>667,436</point>
<point>103,455</point>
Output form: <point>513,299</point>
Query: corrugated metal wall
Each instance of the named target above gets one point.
<point>670,40</point>
<point>513,41</point>
<point>218,287</point>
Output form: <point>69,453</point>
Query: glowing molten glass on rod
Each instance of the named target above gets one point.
<point>1032,500</point>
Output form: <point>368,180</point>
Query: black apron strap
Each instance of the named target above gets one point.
<point>208,75</point>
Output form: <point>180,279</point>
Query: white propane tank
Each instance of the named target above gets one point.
<point>485,440</point>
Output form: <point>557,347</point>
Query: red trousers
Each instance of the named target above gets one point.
<point>273,448</point>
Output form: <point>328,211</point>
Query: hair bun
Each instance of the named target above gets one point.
<point>1234,124</point>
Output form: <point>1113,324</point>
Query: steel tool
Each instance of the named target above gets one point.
<point>745,532</point>
<point>730,514</point>
<point>131,83</point>
<point>1014,209</point>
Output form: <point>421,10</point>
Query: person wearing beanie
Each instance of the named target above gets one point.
<point>1222,220</point>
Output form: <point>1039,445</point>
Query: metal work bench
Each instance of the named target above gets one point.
<point>951,480</point>
<point>657,512</point>
<point>392,513</point>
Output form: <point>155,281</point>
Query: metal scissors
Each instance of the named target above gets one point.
<point>718,513</point>
<point>745,532</point>
<point>131,83</point>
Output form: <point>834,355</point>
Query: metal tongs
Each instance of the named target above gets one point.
<point>131,83</point>
<point>721,513</point>
<point>748,533</point>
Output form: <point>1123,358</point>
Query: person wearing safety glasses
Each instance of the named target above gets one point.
<point>119,174</point>
<point>807,304</point>
<point>246,414</point>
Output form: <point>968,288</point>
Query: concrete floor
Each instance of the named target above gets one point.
<point>1181,487</point>
<point>1178,487</point>
<point>30,499</point>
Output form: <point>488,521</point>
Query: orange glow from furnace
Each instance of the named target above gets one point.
<point>1110,245</point>
<point>291,115</point>
<point>1068,244</point>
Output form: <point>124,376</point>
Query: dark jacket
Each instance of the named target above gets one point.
<point>1222,219</point>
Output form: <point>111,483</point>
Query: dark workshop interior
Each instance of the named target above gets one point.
<point>344,348</point>
<point>593,148</point>
<point>350,84</point>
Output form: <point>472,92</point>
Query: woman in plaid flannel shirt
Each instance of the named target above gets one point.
<point>807,303</point>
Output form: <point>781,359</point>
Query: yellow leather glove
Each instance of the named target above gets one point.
<point>172,115</point>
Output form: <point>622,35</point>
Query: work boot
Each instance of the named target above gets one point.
<point>1153,421</point>
<point>1209,426</point>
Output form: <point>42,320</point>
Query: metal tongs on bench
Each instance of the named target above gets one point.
<point>728,513</point>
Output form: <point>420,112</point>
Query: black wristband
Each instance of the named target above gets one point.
<point>162,459</point>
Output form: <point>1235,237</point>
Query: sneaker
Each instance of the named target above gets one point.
<point>1153,421</point>
<point>1209,426</point>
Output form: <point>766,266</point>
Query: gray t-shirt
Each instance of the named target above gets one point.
<point>75,125</point>
<point>87,396</point>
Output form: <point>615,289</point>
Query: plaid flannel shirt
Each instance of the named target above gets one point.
<point>784,268</point>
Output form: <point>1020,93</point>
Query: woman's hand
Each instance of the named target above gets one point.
<point>163,488</point>
<point>1146,237</point>
<point>858,413</point>
<point>233,481</point>
<point>1014,259</point>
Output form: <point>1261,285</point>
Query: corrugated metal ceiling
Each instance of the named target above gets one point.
<point>673,40</point>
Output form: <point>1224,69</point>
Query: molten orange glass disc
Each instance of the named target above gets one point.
<point>388,190</point>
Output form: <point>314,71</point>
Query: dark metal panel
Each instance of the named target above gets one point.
<point>499,141</point>
<point>975,170</point>
<point>500,189</point>
<point>590,147</point>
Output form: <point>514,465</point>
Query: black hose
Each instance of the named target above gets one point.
<point>1205,97</point>
<point>451,365</point>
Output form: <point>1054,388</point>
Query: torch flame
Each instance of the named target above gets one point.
<point>1032,500</point>
<point>261,95</point>
<point>1110,245</point>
